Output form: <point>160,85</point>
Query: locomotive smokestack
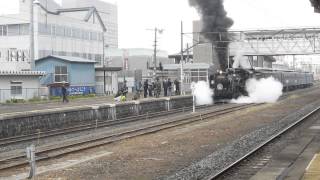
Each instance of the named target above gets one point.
<point>215,26</point>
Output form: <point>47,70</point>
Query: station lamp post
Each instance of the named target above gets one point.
<point>181,63</point>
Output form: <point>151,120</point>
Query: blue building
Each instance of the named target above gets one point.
<point>77,73</point>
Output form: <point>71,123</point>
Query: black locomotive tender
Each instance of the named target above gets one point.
<point>231,83</point>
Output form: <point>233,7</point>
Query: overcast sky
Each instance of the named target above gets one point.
<point>135,16</point>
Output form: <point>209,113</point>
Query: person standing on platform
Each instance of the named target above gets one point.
<point>138,87</point>
<point>64,93</point>
<point>177,85</point>
<point>169,87</point>
<point>157,88</point>
<point>150,89</point>
<point>145,88</point>
<point>165,87</point>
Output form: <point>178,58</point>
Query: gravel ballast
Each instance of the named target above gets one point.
<point>167,154</point>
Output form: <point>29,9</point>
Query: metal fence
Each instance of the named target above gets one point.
<point>23,94</point>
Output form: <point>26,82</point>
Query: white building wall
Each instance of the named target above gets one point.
<point>108,13</point>
<point>67,44</point>
<point>30,87</point>
<point>49,43</point>
<point>111,87</point>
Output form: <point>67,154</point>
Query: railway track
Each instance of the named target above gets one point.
<point>97,124</point>
<point>47,152</point>
<point>261,160</point>
<point>90,126</point>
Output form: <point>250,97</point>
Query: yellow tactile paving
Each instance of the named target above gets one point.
<point>313,169</point>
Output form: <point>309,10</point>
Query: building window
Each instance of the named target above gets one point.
<point>13,30</point>
<point>24,29</point>
<point>5,30</point>
<point>59,30</point>
<point>53,30</point>
<point>61,74</point>
<point>16,88</point>
<point>93,36</point>
<point>67,31</point>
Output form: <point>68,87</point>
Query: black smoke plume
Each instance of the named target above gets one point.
<point>215,26</point>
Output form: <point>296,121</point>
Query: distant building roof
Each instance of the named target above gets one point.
<point>21,73</point>
<point>91,12</point>
<point>178,56</point>
<point>134,52</point>
<point>269,58</point>
<point>186,66</point>
<point>68,58</point>
<point>108,68</point>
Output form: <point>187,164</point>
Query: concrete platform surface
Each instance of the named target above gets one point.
<point>299,160</point>
<point>313,169</point>
<point>25,107</point>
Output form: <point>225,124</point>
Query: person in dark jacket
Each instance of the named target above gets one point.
<point>124,88</point>
<point>169,87</point>
<point>165,87</point>
<point>177,85</point>
<point>64,94</point>
<point>150,89</point>
<point>145,88</point>
<point>138,87</point>
<point>157,88</point>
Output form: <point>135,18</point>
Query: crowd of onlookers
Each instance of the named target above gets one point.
<point>154,89</point>
<point>150,89</point>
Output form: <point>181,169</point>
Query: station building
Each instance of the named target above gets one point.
<point>76,29</point>
<point>107,80</point>
<point>76,32</point>
<point>192,72</point>
<point>21,85</point>
<point>136,64</point>
<point>77,73</point>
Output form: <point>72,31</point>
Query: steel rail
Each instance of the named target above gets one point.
<point>65,148</point>
<point>216,175</point>
<point>89,126</point>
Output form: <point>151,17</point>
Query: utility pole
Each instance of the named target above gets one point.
<point>103,65</point>
<point>181,61</point>
<point>155,55</point>
<point>156,30</point>
<point>188,58</point>
<point>228,54</point>
<point>32,63</point>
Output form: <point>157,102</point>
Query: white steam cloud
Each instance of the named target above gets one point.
<point>265,90</point>
<point>203,93</point>
<point>241,61</point>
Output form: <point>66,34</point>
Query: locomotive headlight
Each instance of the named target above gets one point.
<point>212,81</point>
<point>219,86</point>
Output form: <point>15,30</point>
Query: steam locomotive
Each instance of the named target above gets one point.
<point>231,83</point>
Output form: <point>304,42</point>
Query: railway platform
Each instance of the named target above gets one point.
<point>300,160</point>
<point>20,119</point>
<point>24,107</point>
